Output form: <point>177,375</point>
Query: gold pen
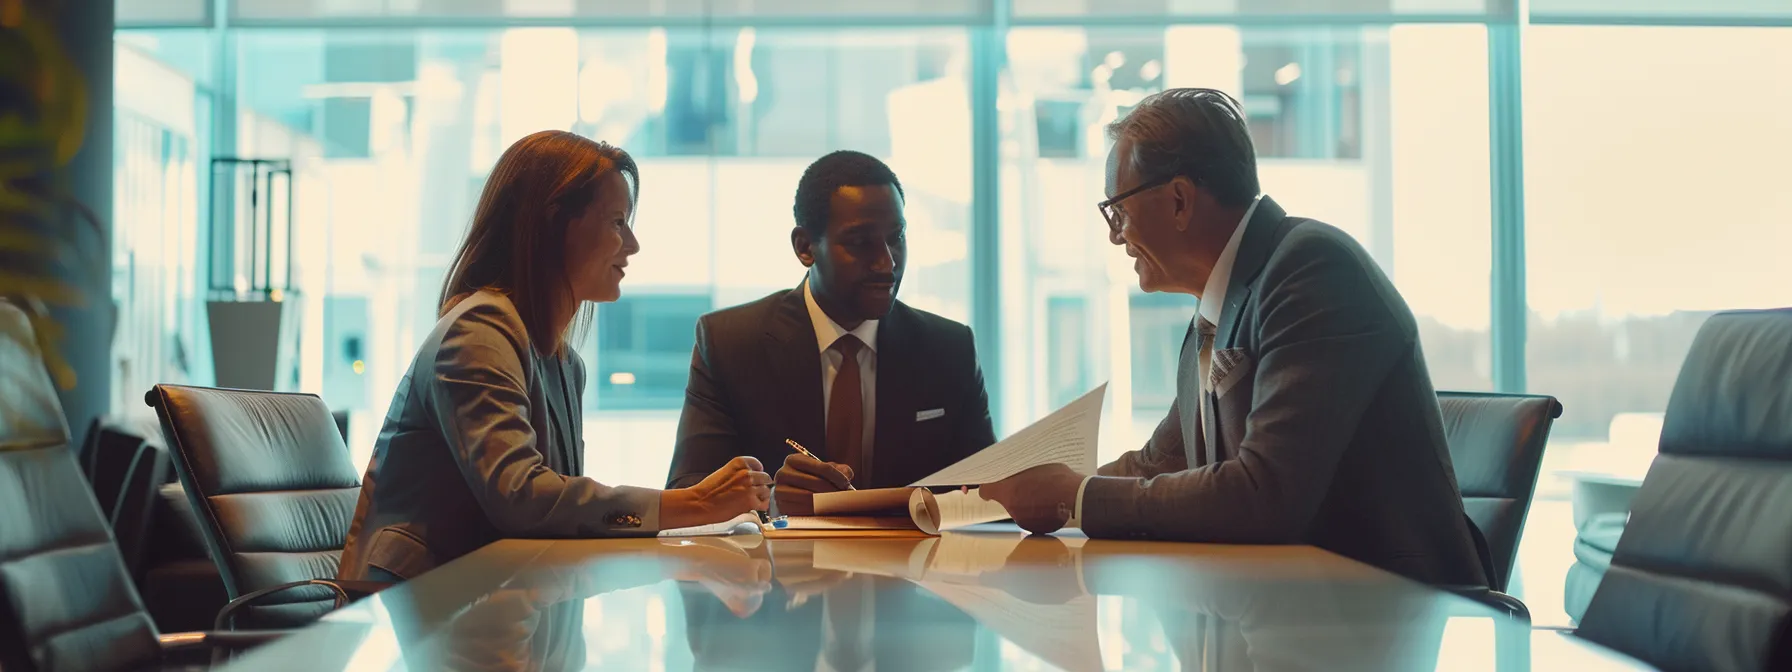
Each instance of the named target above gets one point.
<point>799,448</point>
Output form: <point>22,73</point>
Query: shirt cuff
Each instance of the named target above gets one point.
<point>1076,513</point>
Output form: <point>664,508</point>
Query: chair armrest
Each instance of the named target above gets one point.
<point>226,615</point>
<point>1511,606</point>
<point>344,591</point>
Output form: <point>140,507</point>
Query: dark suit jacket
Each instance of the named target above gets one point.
<point>484,440</point>
<point>756,381</point>
<point>1327,429</point>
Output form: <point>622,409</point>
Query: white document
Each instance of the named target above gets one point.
<point>1067,436</point>
<point>963,509</point>
<point>746,523</point>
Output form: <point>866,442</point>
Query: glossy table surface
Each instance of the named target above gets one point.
<point>989,598</point>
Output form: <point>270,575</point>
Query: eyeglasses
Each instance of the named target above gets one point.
<point>1110,209</point>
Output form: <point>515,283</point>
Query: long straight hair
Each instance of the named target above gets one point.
<point>516,245</point>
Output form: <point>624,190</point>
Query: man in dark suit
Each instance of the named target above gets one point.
<point>885,393</point>
<point>1303,413</point>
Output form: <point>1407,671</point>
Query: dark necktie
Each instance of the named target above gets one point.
<point>846,409</point>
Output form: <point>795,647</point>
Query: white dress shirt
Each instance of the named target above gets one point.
<point>826,332</point>
<point>1212,307</point>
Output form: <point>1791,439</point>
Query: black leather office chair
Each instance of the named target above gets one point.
<point>66,603</point>
<point>274,490</point>
<point>181,587</point>
<point>1702,576</point>
<point>134,512</point>
<point>1496,443</point>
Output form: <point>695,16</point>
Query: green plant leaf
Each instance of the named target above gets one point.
<point>61,86</point>
<point>49,336</point>
<point>14,200</point>
<point>24,241</point>
<point>50,290</point>
<point>41,130</point>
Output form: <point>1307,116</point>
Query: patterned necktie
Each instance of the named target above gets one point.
<point>846,409</point>
<point>1207,330</point>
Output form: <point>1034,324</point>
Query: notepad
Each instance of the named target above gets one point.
<point>1068,436</point>
<point>746,523</point>
<point>893,509</point>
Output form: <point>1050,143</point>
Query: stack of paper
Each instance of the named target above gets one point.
<point>1068,436</point>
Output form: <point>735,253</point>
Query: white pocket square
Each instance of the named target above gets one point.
<point>924,416</point>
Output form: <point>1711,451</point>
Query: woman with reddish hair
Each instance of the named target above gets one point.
<point>485,436</point>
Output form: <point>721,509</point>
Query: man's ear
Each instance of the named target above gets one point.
<point>1183,198</point>
<point>803,245</point>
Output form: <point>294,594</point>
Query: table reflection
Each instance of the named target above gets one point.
<point>535,621</point>
<point>964,600</point>
<point>853,604</point>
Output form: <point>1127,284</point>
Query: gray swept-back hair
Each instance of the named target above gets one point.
<point>1199,134</point>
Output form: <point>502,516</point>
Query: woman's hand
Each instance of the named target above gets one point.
<point>727,571</point>
<point>738,487</point>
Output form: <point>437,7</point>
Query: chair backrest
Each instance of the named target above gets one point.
<point>1496,443</point>
<point>1702,577</point>
<point>66,602</point>
<point>273,486</point>
<point>134,512</point>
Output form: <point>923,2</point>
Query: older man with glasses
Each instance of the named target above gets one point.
<point>1304,413</point>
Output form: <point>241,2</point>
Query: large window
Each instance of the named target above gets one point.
<point>1653,158</point>
<point>722,122</point>
<point>644,351</point>
<point>159,158</point>
<point>1655,194</point>
<point>1379,131</point>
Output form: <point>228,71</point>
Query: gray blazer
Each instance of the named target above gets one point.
<point>484,441</point>
<point>1327,430</point>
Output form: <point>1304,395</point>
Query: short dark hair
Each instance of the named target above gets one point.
<point>844,168</point>
<point>1200,134</point>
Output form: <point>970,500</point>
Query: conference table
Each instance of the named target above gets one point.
<point>985,598</point>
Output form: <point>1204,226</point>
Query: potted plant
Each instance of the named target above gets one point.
<point>47,237</point>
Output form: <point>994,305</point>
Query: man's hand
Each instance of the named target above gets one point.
<point>801,478</point>
<point>1040,499</point>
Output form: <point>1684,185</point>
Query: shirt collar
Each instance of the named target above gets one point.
<point>1213,299</point>
<point>827,331</point>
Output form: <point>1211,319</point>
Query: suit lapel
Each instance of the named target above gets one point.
<point>1261,236</point>
<point>1260,239</point>
<point>897,341</point>
<point>795,361</point>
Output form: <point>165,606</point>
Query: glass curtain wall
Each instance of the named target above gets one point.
<point>1654,196</point>
<point>1650,150</point>
<point>1380,131</point>
<point>721,121</point>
